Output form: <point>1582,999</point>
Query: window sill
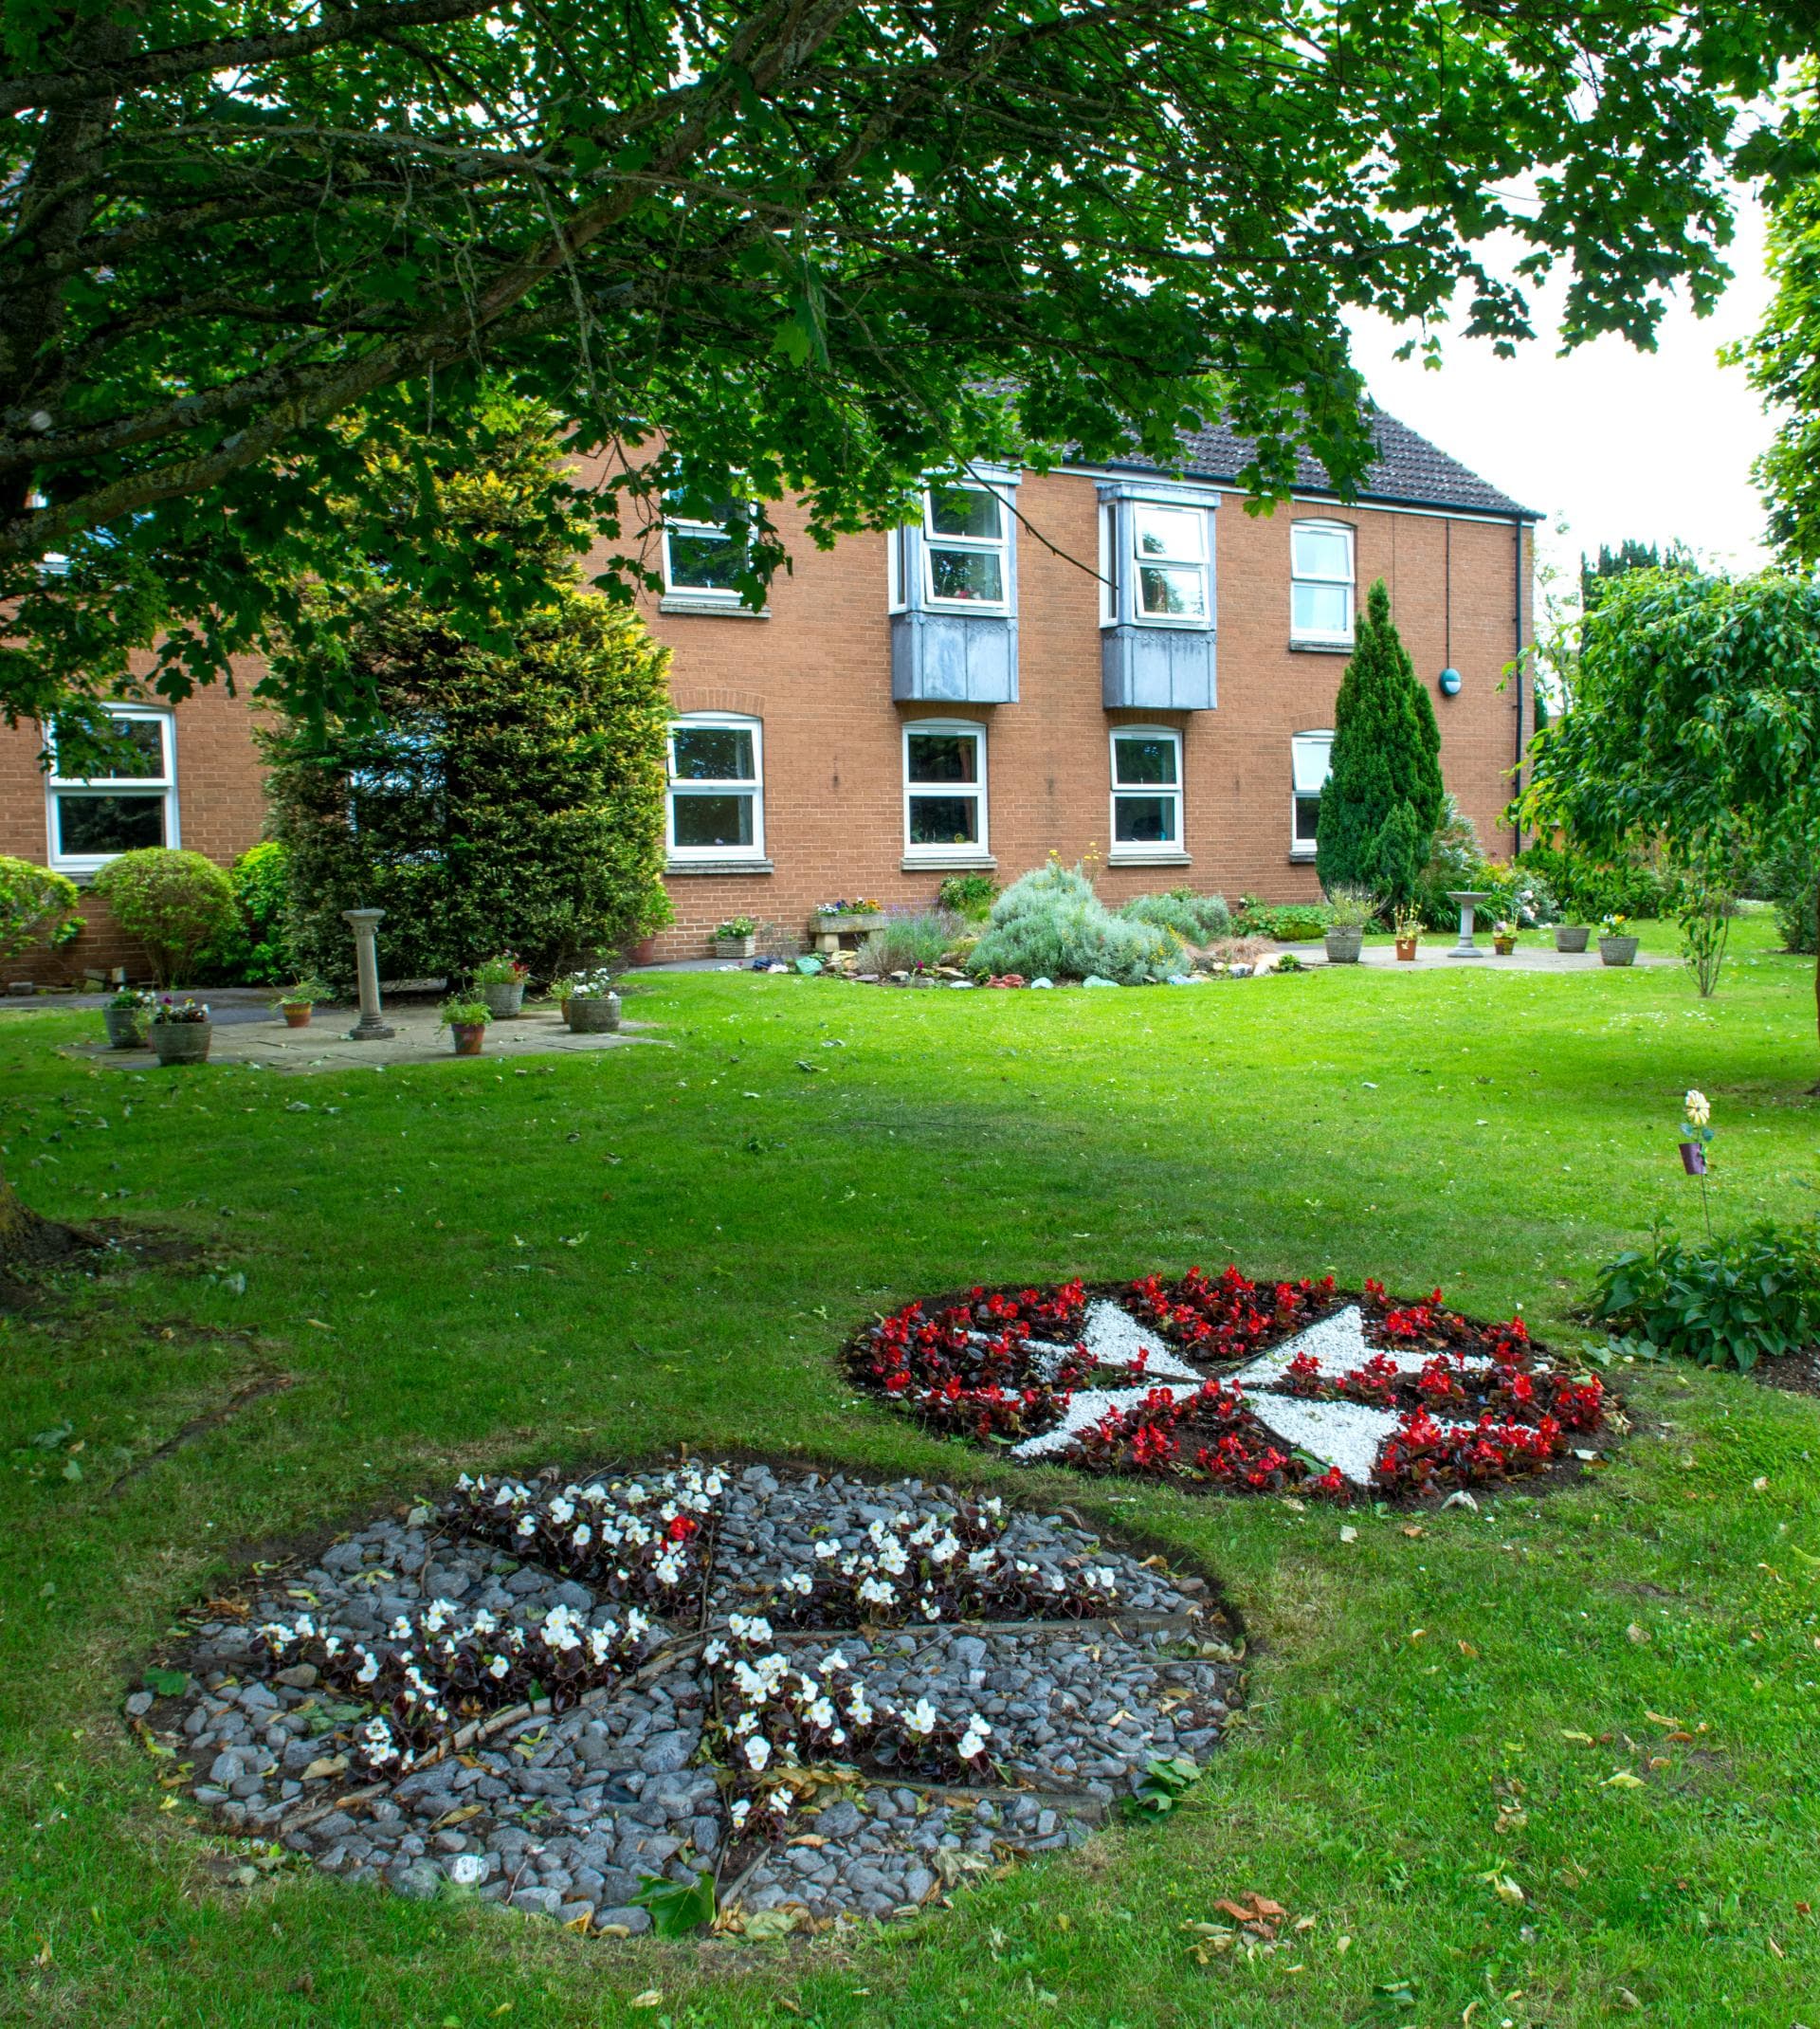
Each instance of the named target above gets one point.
<point>1321,648</point>
<point>947,862</point>
<point>721,608</point>
<point>721,867</point>
<point>1302,855</point>
<point>1159,858</point>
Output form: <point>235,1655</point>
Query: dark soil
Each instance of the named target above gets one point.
<point>1796,1373</point>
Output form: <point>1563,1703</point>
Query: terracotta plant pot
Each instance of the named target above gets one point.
<point>296,1012</point>
<point>468,1036</point>
<point>596,1015</point>
<point>181,1042</point>
<point>1406,950</point>
<point>1344,945</point>
<point>505,999</point>
<point>1571,936</point>
<point>125,1028</point>
<point>1618,950</point>
<point>735,947</point>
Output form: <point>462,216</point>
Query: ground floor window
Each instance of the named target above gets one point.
<point>1310,760</point>
<point>1146,791</point>
<point>95,818</point>
<point>717,801</point>
<point>944,789</point>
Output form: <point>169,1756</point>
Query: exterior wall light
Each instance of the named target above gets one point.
<point>1449,683</point>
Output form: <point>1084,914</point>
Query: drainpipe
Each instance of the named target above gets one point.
<point>1517,529</point>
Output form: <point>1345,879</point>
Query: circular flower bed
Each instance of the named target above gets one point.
<point>1222,1381</point>
<point>829,1698</point>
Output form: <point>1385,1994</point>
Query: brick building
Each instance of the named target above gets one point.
<point>1105,658</point>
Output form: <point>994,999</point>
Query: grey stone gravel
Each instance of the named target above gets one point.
<point>563,1816</point>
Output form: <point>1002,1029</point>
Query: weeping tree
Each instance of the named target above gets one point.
<point>506,791</point>
<point>1696,718</point>
<point>1384,800</point>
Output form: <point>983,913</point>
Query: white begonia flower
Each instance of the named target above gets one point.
<point>980,1561</point>
<point>561,1510</point>
<point>1699,1108</point>
<point>945,1549</point>
<point>751,1682</point>
<point>668,1569</point>
<point>931,1611</point>
<point>636,1623</point>
<point>401,1628</point>
<point>828,1546</point>
<point>799,1582</point>
<point>744,1723</point>
<point>527,1524</point>
<point>757,1751</point>
<point>779,1800</point>
<point>498,1667</point>
<point>921,1718</point>
<point>876,1592</point>
<point>820,1713</point>
<point>583,1536</point>
<point>834,1660</point>
<point>740,1810</point>
<point>369,1670</point>
<point>331,1644</point>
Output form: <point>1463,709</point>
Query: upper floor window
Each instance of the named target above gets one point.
<point>95,818</point>
<point>716,796</point>
<point>1321,592</point>
<point>963,548</point>
<point>1146,791</point>
<point>1169,548</point>
<point>701,561</point>
<point>944,789</point>
<point>1310,762</point>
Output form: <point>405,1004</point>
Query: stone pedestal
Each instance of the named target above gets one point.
<point>372,1027</point>
<point>1468,900</point>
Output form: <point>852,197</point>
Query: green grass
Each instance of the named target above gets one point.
<point>613,1255</point>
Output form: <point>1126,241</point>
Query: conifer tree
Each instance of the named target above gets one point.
<point>1384,800</point>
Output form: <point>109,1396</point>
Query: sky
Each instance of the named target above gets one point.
<point>1613,441</point>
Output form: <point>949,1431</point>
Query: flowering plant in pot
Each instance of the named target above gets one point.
<point>296,1002</point>
<point>1407,925</point>
<point>125,1017</point>
<point>1571,936</point>
<point>181,1030</point>
<point>590,1005</point>
<point>500,981</point>
<point>1617,946</point>
<point>466,1019</point>
<point>737,938</point>
<point>1504,936</point>
<point>1350,911</point>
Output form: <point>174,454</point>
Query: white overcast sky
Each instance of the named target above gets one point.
<point>1617,442</point>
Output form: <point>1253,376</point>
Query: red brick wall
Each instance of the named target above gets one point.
<point>221,809</point>
<point>817,673</point>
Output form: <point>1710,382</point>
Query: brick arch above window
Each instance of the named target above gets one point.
<point>697,696</point>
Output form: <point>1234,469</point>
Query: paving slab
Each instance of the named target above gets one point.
<point>420,1038</point>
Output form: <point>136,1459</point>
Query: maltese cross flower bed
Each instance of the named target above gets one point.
<point>822,1697</point>
<point>1221,1381</point>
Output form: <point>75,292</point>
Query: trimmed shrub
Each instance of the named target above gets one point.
<point>36,905</point>
<point>1052,925</point>
<point>1289,922</point>
<point>1751,1295</point>
<point>908,940</point>
<point>1195,919</point>
<point>176,904</point>
<point>255,949</point>
<point>1790,879</point>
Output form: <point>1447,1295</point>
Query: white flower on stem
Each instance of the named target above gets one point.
<point>972,1742</point>
<point>583,1536</point>
<point>820,1713</point>
<point>828,1546</point>
<point>799,1582</point>
<point>834,1660</point>
<point>877,1592</point>
<point>740,1810</point>
<point>921,1719</point>
<point>779,1801</point>
<point>757,1751</point>
<point>498,1668</point>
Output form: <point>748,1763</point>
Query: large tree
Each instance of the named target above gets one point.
<point>1696,713</point>
<point>799,243</point>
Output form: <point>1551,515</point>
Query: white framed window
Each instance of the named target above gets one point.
<point>964,540</point>
<point>1310,763</point>
<point>1321,589</point>
<point>1146,791</point>
<point>701,561</point>
<point>1169,561</point>
<point>95,818</point>
<point>717,799</point>
<point>944,789</point>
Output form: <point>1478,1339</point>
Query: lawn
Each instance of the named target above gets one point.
<point>610,1257</point>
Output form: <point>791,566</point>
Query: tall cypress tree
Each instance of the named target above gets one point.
<point>1384,800</point>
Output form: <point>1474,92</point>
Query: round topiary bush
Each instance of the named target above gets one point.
<point>255,949</point>
<point>35,903</point>
<point>173,902</point>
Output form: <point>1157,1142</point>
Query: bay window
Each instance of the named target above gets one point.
<point>963,548</point>
<point>1169,548</point>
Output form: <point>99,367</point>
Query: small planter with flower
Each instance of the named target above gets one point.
<point>737,938</point>
<point>500,981</point>
<point>1617,946</point>
<point>127,1016</point>
<point>1351,911</point>
<point>181,1032</point>
<point>1571,936</point>
<point>466,1019</point>
<point>1407,925</point>
<point>1503,938</point>
<point>834,920</point>
<point>297,1003</point>
<point>590,1005</point>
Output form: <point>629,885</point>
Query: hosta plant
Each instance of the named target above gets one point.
<point>1748,1296</point>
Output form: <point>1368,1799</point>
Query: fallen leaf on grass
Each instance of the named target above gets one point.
<point>1623,1780</point>
<point>1584,1740</point>
<point>651,1998</point>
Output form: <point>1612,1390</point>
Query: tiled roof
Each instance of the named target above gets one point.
<point>1409,470</point>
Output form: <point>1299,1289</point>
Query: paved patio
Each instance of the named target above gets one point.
<point>1436,953</point>
<point>256,1037</point>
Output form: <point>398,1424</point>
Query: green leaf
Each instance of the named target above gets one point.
<point>677,1909</point>
<point>166,1683</point>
